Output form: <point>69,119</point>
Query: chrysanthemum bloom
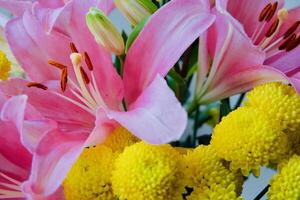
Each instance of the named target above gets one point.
<point>285,184</point>
<point>90,176</point>
<point>281,102</point>
<point>83,95</point>
<point>145,171</point>
<point>273,29</point>
<point>248,138</point>
<point>208,176</point>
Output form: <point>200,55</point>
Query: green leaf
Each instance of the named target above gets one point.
<point>137,29</point>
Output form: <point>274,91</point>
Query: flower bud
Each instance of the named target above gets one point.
<point>104,31</point>
<point>136,10</point>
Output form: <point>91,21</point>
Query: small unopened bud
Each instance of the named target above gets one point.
<point>136,10</point>
<point>104,31</point>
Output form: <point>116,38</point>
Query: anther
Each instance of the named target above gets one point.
<point>64,79</point>
<point>37,85</point>
<point>84,76</point>
<point>291,30</point>
<point>56,64</point>
<point>73,48</point>
<point>265,11</point>
<point>287,41</point>
<point>272,11</point>
<point>88,61</point>
<point>272,28</point>
<point>293,44</point>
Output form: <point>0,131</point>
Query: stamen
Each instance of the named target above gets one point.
<point>272,28</point>
<point>291,30</point>
<point>265,11</point>
<point>88,61</point>
<point>56,64</point>
<point>272,11</point>
<point>37,85</point>
<point>73,48</point>
<point>84,76</point>
<point>64,79</point>
<point>293,44</point>
<point>287,41</point>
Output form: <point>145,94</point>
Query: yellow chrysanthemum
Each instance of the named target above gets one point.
<point>278,100</point>
<point>209,177</point>
<point>282,103</point>
<point>4,66</point>
<point>119,139</point>
<point>286,184</point>
<point>145,171</point>
<point>90,176</point>
<point>248,139</point>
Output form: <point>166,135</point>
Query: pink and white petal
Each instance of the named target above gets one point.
<point>158,49</point>
<point>231,51</point>
<point>58,151</point>
<point>54,44</point>
<point>16,7</point>
<point>156,116</point>
<point>32,58</point>
<point>107,6</point>
<point>14,158</point>
<point>103,127</point>
<point>242,81</point>
<point>109,82</point>
<point>52,3</point>
<point>295,81</point>
<point>53,159</point>
<point>29,123</point>
<point>69,116</point>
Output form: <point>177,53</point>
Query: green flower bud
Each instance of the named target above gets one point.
<point>104,31</point>
<point>136,10</point>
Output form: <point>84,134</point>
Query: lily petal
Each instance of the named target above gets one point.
<point>182,21</point>
<point>30,124</point>
<point>54,157</point>
<point>15,6</point>
<point>32,58</point>
<point>156,116</point>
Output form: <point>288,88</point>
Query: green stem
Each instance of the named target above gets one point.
<point>262,193</point>
<point>194,136</point>
<point>193,106</point>
<point>120,57</point>
<point>239,101</point>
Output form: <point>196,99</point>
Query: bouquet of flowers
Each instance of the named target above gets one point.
<point>90,112</point>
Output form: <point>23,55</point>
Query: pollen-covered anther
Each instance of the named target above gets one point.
<point>37,85</point>
<point>264,13</point>
<point>272,28</point>
<point>84,76</point>
<point>57,64</point>
<point>293,44</point>
<point>290,39</point>
<point>88,61</point>
<point>291,30</point>
<point>272,11</point>
<point>73,48</point>
<point>64,79</point>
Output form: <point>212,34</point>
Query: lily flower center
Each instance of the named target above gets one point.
<point>11,188</point>
<point>266,34</point>
<point>84,89</point>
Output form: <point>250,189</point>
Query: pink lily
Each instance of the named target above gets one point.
<point>86,103</point>
<point>15,159</point>
<point>273,29</point>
